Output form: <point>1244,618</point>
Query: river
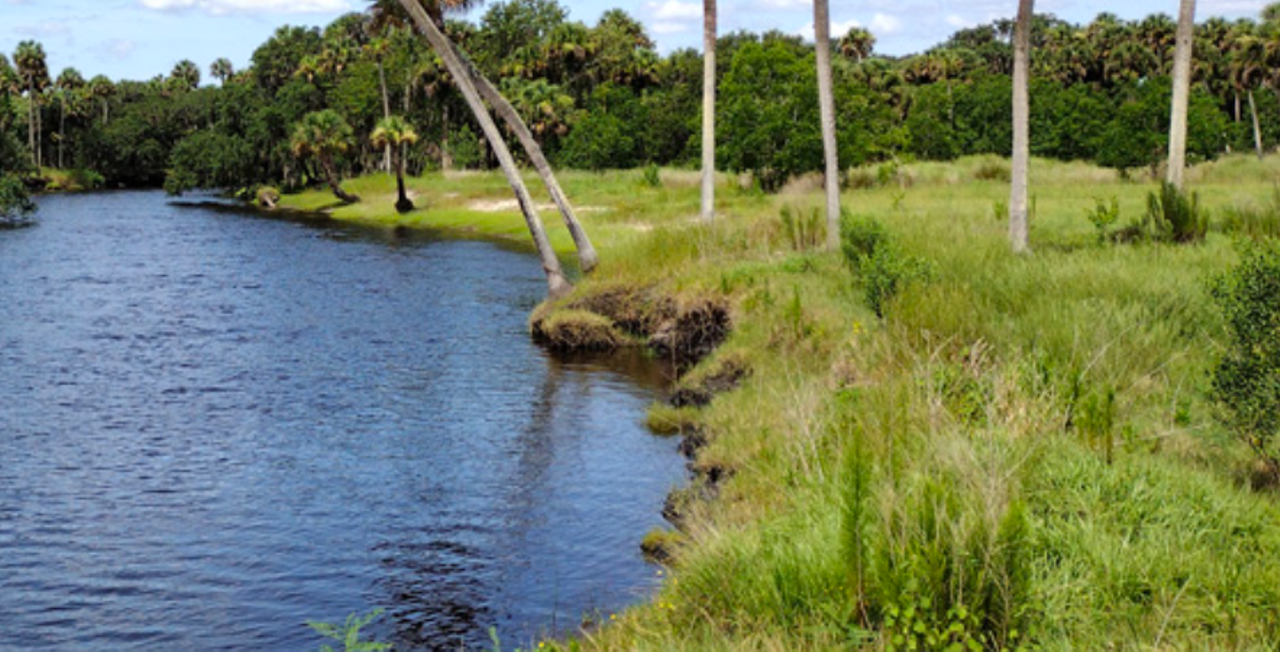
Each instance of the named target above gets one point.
<point>216,427</point>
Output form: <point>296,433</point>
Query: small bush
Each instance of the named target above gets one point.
<point>652,176</point>
<point>992,170</point>
<point>1175,216</point>
<point>16,206</point>
<point>1103,216</point>
<point>883,269</point>
<point>1246,381</point>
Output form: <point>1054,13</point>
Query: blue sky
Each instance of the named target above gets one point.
<point>138,39</point>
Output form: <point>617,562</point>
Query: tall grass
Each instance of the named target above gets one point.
<point>1020,452</point>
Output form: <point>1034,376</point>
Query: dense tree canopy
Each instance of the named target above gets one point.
<point>599,96</point>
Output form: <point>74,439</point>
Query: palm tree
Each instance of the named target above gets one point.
<point>708,110</point>
<point>69,82</point>
<point>1018,228</point>
<point>222,70</point>
<point>378,49</point>
<point>464,75</point>
<point>324,134</point>
<point>394,133</point>
<point>186,74</point>
<point>29,58</point>
<point>857,44</point>
<point>1181,93</point>
<point>10,85</point>
<point>433,12</point>
<point>1248,62</point>
<point>102,88</point>
<point>827,106</point>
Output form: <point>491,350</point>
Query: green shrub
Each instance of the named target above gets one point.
<point>349,633</point>
<point>876,259</point>
<point>1175,216</point>
<point>992,170</point>
<point>652,176</point>
<point>15,205</point>
<point>1103,216</point>
<point>1246,381</point>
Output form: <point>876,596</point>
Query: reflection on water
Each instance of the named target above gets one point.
<point>218,427</point>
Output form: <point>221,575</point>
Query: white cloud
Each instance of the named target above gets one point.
<point>670,28</point>
<point>958,22</point>
<point>884,24</point>
<point>117,49</point>
<point>837,29</point>
<point>223,7</point>
<point>674,9</point>
<point>783,5</point>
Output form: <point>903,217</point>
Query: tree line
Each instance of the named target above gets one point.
<point>600,96</point>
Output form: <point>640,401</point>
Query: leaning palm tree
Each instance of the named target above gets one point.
<point>1181,93</point>
<point>324,135</point>
<point>393,134</point>
<point>1018,228</point>
<point>464,75</point>
<point>708,110</point>
<point>827,107</point>
<point>433,11</point>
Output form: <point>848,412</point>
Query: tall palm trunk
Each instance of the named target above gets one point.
<point>386,113</point>
<point>827,106</point>
<point>403,205</point>
<point>1257,129</point>
<point>708,212</point>
<point>446,160</point>
<point>1181,93</point>
<point>31,126</point>
<point>587,257</point>
<point>62,132</point>
<point>557,284</point>
<point>1018,218</point>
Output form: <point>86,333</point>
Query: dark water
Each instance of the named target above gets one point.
<point>216,427</point>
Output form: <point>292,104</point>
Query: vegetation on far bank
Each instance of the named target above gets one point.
<point>1021,452</point>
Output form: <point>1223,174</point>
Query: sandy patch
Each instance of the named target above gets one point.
<point>512,205</point>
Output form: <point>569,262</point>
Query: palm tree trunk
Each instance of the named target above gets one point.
<point>62,132</point>
<point>1181,93</point>
<point>446,161</point>
<point>331,177</point>
<point>1237,97</point>
<point>386,113</point>
<point>708,211</point>
<point>1018,218</point>
<point>31,126</point>
<point>1257,129</point>
<point>105,108</point>
<point>403,205</point>
<point>557,284</point>
<point>827,106</point>
<point>587,257</point>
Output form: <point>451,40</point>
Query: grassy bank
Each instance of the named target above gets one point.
<point>1020,452</point>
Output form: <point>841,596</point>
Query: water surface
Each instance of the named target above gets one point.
<point>216,427</point>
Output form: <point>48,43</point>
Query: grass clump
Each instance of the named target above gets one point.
<point>1175,216</point>
<point>1255,221</point>
<point>665,419</point>
<point>880,265</point>
<point>578,330</point>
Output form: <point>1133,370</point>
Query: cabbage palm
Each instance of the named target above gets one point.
<point>69,83</point>
<point>857,44</point>
<point>827,109</point>
<point>324,135</point>
<point>222,70</point>
<point>187,74</point>
<point>465,76</point>
<point>1181,93</point>
<point>393,133</point>
<point>1018,227</point>
<point>29,59</point>
<point>102,88</point>
<point>708,110</point>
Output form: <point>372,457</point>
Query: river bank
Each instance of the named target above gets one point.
<point>1003,452</point>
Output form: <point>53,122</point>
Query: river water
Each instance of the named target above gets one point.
<point>216,427</point>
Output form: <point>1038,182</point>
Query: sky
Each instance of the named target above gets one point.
<point>139,39</point>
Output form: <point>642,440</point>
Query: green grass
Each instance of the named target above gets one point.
<point>954,471</point>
